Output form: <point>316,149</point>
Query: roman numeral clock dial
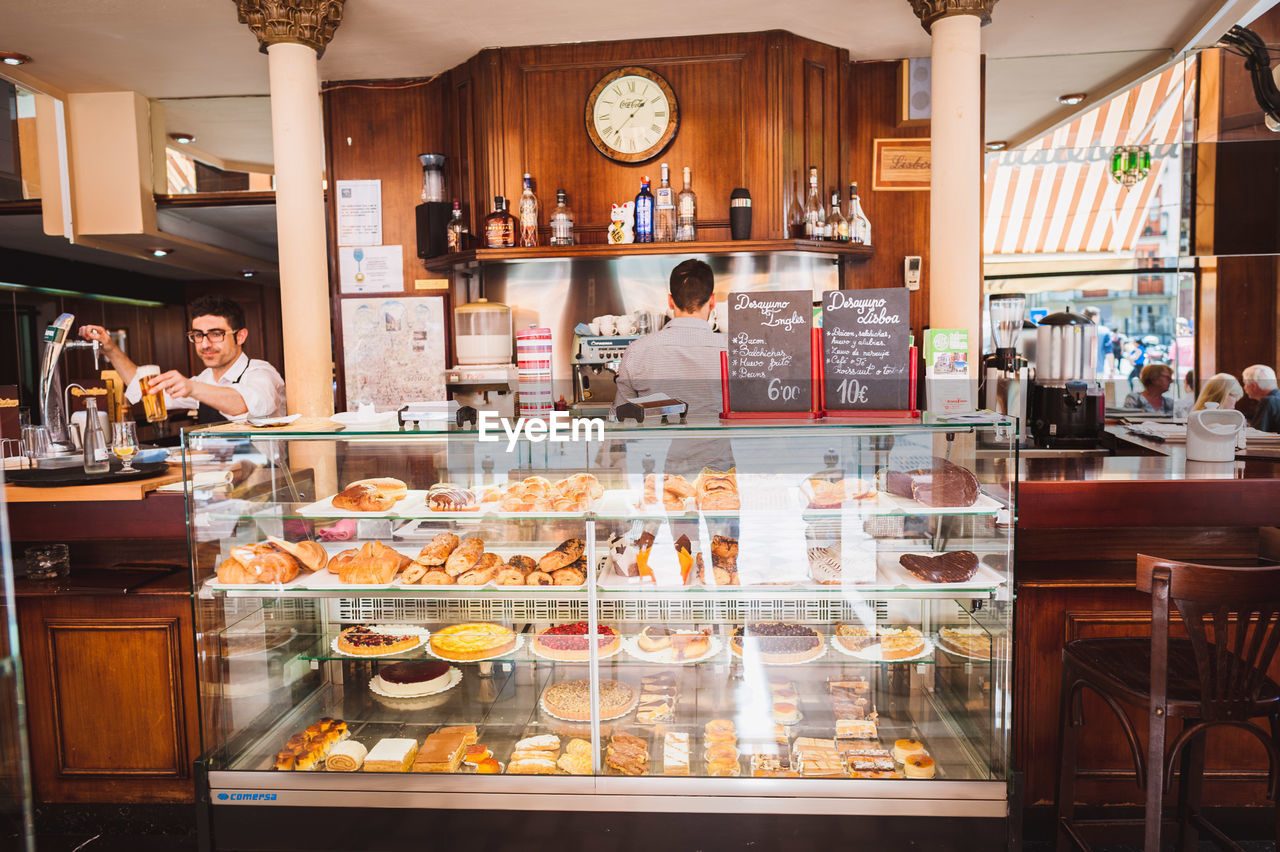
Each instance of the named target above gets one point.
<point>632,114</point>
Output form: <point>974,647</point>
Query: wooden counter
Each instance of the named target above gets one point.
<point>136,489</point>
<point>1082,521</point>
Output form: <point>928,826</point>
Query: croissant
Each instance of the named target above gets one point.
<point>509,577</point>
<point>436,577</point>
<point>258,563</point>
<point>568,551</point>
<point>438,549</point>
<point>373,563</point>
<point>570,576</point>
<point>310,554</point>
<point>465,557</point>
<point>538,578</point>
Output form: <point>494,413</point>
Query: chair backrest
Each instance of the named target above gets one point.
<point>1232,617</point>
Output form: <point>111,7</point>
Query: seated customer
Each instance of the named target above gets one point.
<point>1183,406</point>
<point>1156,379</point>
<point>1221,388</point>
<point>1260,384</point>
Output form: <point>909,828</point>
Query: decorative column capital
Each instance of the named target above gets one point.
<point>929,11</point>
<point>309,22</point>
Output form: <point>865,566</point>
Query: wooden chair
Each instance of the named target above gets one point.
<point>1216,676</point>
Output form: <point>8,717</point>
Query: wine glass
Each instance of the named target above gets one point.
<point>124,443</point>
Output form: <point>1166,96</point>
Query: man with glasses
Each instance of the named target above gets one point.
<point>232,385</point>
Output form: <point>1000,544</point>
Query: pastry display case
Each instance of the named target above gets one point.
<point>810,615</point>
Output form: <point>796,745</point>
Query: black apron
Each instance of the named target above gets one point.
<point>207,414</point>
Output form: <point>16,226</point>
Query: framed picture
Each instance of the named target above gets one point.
<point>900,164</point>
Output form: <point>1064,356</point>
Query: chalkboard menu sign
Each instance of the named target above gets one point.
<point>770,351</point>
<point>865,335</point>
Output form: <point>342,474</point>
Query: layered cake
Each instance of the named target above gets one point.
<point>569,641</point>
<point>364,641</point>
<point>778,641</point>
<point>855,637</point>
<point>412,679</point>
<point>472,641</point>
<point>571,699</point>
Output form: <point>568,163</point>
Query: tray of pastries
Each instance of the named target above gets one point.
<point>363,498</point>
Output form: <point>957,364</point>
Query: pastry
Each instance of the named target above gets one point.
<point>436,551</point>
<point>413,679</point>
<point>285,760</point>
<point>654,638</point>
<point>484,571</point>
<point>258,563</point>
<point>370,495</point>
<point>675,753</point>
<point>472,641</point>
<point>508,576</point>
<point>717,491</point>
<point>373,563</point>
<point>778,641</point>
<point>532,766</point>
<point>901,644</point>
<point>570,576</point>
<point>856,729</point>
<point>452,499</point>
<point>579,747</point>
<point>724,769</point>
<point>488,767</point>
<point>955,566</point>
<point>569,641</point>
<point>575,764</point>
<point>565,554</point>
<point>365,641</point>
<point>785,713</point>
<point>580,483</point>
<point>538,578</point>
<point>720,751</point>
<point>475,754</point>
<point>902,749</point>
<point>919,766</point>
<point>834,495</point>
<point>571,699</point>
<point>628,754</point>
<point>967,641</point>
<point>311,555</point>
<point>690,645</point>
<point>943,483</point>
<point>523,564</point>
<point>719,731</point>
<point>391,755</point>
<point>469,735</point>
<point>306,761</point>
<point>541,742</point>
<point>772,766</point>
<point>465,557</point>
<point>824,565</point>
<point>855,637</point>
<point>440,752</point>
<point>412,574</point>
<point>346,756</point>
<point>436,578</point>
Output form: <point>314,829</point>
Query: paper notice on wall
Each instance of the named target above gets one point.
<point>370,269</point>
<point>359,208</point>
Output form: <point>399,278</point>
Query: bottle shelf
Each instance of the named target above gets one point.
<point>840,251</point>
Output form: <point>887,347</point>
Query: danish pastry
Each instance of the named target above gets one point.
<point>465,557</point>
<point>436,551</point>
<point>565,554</point>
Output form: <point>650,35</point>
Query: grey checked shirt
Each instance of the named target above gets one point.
<point>681,360</point>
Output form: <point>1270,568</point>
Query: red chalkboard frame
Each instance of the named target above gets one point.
<point>815,370</point>
<point>911,413</point>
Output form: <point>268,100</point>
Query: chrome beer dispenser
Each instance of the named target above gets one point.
<point>1068,406</point>
<point>1005,374</point>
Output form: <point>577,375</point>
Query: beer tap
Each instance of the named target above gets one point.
<point>53,410</point>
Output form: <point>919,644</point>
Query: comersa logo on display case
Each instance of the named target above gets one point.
<point>247,797</point>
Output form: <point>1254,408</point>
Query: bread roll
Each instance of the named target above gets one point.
<point>569,577</point>
<point>565,554</point>
<point>509,576</point>
<point>413,574</point>
<point>388,485</point>
<point>538,578</point>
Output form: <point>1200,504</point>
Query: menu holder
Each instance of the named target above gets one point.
<point>868,368</point>
<point>910,413</point>
<point>815,357</point>
<point>769,370</point>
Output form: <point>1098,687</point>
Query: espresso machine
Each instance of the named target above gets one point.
<point>1004,375</point>
<point>1068,403</point>
<point>595,363</point>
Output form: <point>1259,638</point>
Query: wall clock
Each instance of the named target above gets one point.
<point>632,114</point>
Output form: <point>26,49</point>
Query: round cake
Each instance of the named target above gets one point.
<point>569,641</point>
<point>412,679</point>
<point>367,642</point>
<point>571,699</point>
<point>472,641</point>
<point>855,637</point>
<point>779,641</point>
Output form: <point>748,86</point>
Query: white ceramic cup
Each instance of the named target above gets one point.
<point>626,325</point>
<point>608,324</point>
<point>594,325</point>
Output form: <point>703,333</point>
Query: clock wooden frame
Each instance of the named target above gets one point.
<point>663,141</point>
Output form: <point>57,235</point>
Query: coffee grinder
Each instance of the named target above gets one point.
<point>1068,404</point>
<point>1005,373</point>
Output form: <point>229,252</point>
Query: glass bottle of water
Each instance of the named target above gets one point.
<point>96,458</point>
<point>561,221</point>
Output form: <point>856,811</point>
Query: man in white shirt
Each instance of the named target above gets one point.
<point>682,360</point>
<point>231,387</point>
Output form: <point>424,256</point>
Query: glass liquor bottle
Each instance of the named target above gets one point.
<point>837,224</point>
<point>815,217</point>
<point>664,205</point>
<point>457,230</point>
<point>96,459</point>
<point>528,214</point>
<point>859,224</point>
<point>499,226</point>
<point>644,213</point>
<point>561,221</point>
<point>686,210</point>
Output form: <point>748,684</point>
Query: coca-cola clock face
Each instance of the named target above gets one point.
<point>632,114</point>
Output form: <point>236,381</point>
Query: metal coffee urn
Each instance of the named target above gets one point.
<point>1068,404</point>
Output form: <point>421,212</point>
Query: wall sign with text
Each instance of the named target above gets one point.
<point>865,339</point>
<point>770,355</point>
<point>901,164</point>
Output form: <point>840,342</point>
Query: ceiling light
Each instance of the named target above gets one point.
<point>182,138</point>
<point>1072,99</point>
<point>10,58</point>
<point>997,146</point>
<point>248,273</point>
<point>160,252</point>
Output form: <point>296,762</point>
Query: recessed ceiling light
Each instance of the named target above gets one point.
<point>182,138</point>
<point>8,57</point>
<point>160,252</point>
<point>997,146</point>
<point>1072,99</point>
<point>248,273</point>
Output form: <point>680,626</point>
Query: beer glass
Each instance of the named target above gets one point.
<point>124,443</point>
<point>152,403</point>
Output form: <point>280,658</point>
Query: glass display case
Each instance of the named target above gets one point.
<point>16,819</point>
<point>800,610</point>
